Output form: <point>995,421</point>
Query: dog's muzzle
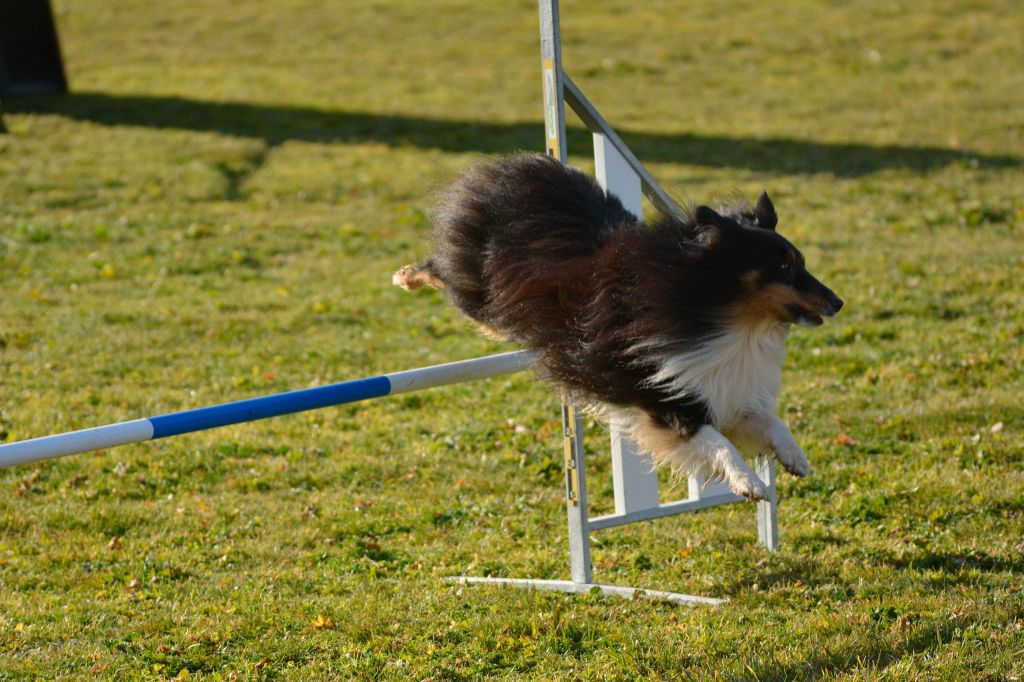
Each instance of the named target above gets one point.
<point>806,317</point>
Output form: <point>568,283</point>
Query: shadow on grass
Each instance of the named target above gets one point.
<point>276,124</point>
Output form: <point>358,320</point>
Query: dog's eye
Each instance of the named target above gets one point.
<point>785,267</point>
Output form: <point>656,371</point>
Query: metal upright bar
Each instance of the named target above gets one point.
<point>576,509</point>
<point>553,80</point>
<point>555,143</point>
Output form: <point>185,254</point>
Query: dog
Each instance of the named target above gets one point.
<point>678,326</point>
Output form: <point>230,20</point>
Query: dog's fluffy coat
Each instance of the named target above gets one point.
<point>679,326</point>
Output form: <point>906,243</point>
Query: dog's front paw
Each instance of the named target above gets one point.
<point>748,485</point>
<point>793,459</point>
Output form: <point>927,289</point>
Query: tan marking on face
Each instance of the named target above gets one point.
<point>769,303</point>
<point>816,304</point>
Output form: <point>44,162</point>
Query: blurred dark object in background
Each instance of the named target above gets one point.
<point>30,62</point>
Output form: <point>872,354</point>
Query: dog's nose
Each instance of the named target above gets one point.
<point>835,303</point>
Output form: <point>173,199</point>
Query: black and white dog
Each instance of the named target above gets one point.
<point>680,325</point>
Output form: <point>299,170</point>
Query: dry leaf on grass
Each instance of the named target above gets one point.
<point>322,623</point>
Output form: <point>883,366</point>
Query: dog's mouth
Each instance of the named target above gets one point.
<point>805,317</point>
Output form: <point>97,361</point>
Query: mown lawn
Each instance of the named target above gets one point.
<point>214,213</point>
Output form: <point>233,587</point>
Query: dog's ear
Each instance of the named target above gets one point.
<point>765,212</point>
<point>710,225</point>
<point>707,216</point>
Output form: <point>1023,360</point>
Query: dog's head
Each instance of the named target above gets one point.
<point>771,277</point>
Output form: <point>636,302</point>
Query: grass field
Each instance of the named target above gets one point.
<point>214,213</point>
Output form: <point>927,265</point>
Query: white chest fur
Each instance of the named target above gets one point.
<point>738,372</point>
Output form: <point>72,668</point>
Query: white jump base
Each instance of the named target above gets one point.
<point>586,588</point>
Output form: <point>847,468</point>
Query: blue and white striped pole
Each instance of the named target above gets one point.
<point>176,423</point>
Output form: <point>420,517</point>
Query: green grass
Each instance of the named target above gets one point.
<point>215,212</point>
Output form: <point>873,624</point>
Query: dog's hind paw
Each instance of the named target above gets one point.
<point>413,277</point>
<point>407,277</point>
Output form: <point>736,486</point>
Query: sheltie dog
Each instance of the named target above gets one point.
<point>678,326</point>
